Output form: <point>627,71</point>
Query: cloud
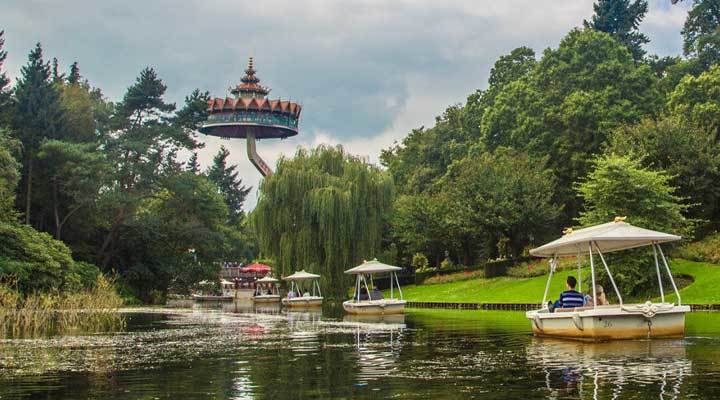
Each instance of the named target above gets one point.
<point>367,72</point>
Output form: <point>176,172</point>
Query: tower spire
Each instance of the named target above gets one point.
<point>250,84</point>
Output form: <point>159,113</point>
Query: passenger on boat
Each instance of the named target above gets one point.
<point>602,300</point>
<point>376,294</point>
<point>570,298</point>
<point>291,294</point>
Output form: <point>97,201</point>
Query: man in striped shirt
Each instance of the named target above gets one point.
<point>570,298</point>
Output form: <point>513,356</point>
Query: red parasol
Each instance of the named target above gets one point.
<point>256,268</point>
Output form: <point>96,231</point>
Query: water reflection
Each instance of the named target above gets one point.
<point>242,352</point>
<point>610,369</point>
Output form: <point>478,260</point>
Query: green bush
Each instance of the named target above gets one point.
<point>37,262</point>
<point>420,263</point>
<point>705,250</point>
<point>455,277</point>
<point>446,265</point>
<point>529,269</point>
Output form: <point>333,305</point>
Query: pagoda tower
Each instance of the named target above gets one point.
<point>250,115</point>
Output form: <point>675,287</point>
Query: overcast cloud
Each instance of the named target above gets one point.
<point>367,72</point>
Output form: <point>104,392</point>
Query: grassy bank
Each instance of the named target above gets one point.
<point>530,290</point>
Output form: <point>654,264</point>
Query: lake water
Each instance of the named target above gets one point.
<point>241,353</point>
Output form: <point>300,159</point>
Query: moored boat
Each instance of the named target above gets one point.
<point>367,302</point>
<point>266,290</point>
<point>300,295</point>
<point>604,322</point>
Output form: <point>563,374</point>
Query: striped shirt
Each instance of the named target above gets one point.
<point>571,299</point>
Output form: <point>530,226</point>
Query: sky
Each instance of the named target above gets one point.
<point>367,72</point>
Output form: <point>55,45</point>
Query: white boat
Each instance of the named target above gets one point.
<point>604,322</point>
<point>266,290</point>
<point>368,303</point>
<point>296,297</point>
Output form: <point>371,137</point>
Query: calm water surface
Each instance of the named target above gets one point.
<point>241,353</point>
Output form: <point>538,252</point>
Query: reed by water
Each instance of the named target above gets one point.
<point>37,314</point>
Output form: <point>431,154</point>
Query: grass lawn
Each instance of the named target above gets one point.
<point>530,290</point>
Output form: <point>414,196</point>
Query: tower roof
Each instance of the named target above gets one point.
<point>250,84</point>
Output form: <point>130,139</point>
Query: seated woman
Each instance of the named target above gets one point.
<point>570,298</point>
<point>376,294</point>
<point>602,300</point>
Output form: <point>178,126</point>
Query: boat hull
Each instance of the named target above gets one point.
<point>303,302</point>
<point>374,307</point>
<point>267,298</point>
<point>611,323</point>
<point>198,297</point>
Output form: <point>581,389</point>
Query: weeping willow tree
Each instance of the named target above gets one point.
<point>323,211</point>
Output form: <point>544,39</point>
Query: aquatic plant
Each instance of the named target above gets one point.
<point>90,310</point>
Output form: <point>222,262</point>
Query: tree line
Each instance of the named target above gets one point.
<point>586,131</point>
<point>89,185</point>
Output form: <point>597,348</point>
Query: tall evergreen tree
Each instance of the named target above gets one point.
<point>4,82</point>
<point>621,19</point>
<point>230,185</point>
<point>74,76</point>
<point>57,77</point>
<point>37,115</point>
<point>193,165</point>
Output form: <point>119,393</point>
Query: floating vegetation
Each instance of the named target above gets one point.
<point>38,314</point>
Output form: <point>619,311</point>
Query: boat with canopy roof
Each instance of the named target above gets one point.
<point>300,295</point>
<point>266,290</point>
<point>618,321</point>
<point>367,302</point>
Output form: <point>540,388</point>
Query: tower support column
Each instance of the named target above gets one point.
<point>255,159</point>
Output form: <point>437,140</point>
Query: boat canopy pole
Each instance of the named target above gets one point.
<point>592,272</point>
<point>398,284</point>
<point>317,283</point>
<point>657,268</point>
<point>553,263</point>
<point>356,297</point>
<point>579,273</point>
<point>672,280</point>
<point>607,269</point>
<point>391,286</point>
<point>367,288</point>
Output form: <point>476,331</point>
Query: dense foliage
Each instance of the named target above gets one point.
<point>585,131</point>
<point>105,179</point>
<point>597,93</point>
<point>323,211</point>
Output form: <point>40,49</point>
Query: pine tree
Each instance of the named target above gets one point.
<point>57,77</point>
<point>192,164</point>
<point>4,82</point>
<point>621,20</point>
<point>230,186</point>
<point>37,115</point>
<point>74,77</point>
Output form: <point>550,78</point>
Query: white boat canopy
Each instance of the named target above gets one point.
<point>301,275</point>
<point>267,279</point>
<point>612,236</point>
<point>372,267</point>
